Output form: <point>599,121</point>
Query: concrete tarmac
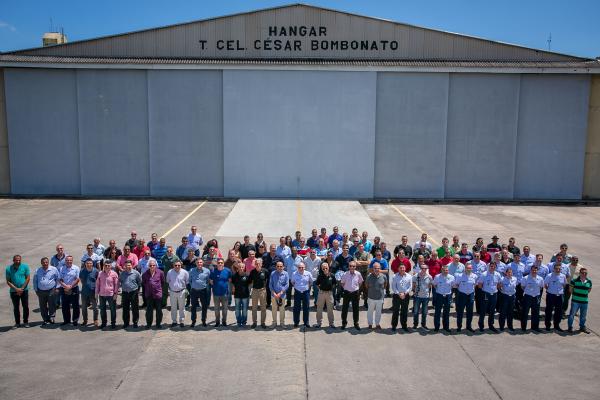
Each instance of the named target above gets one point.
<point>225,363</point>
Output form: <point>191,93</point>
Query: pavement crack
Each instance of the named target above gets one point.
<point>478,369</point>
<point>305,363</point>
<point>140,354</point>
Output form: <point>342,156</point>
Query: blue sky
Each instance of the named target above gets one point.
<point>575,24</point>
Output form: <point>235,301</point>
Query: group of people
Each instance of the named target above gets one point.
<point>329,269</point>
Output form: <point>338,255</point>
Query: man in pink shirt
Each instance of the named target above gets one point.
<point>351,283</point>
<point>107,288</point>
<point>250,261</point>
<point>127,255</point>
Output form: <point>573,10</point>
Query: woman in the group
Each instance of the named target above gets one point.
<point>261,250</point>
<point>112,260</point>
<point>288,241</point>
<point>241,293</point>
<point>478,245</point>
<point>237,246</point>
<point>259,241</point>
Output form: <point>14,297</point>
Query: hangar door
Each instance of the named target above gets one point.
<point>298,133</point>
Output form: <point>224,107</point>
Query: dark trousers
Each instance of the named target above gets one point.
<point>506,312</point>
<point>203,296</point>
<point>131,302</point>
<point>400,306</point>
<point>566,297</point>
<point>288,295</point>
<point>518,307</point>
<point>47,301</point>
<point>68,301</point>
<point>23,299</point>
<point>478,299</point>
<point>301,299</point>
<point>348,297</point>
<point>151,305</point>
<point>464,301</point>
<point>530,302</point>
<point>553,309</point>
<point>442,303</point>
<point>112,305</point>
<point>487,307</point>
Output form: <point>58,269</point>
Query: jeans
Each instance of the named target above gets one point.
<point>88,299</point>
<point>204,296</point>
<point>68,301</point>
<point>47,301</point>
<point>554,304</point>
<point>130,301</point>
<point>400,306</point>
<point>348,297</point>
<point>420,302</point>
<point>301,299</point>
<point>582,307</point>
<point>151,305</point>
<point>442,303</point>
<point>374,306</point>
<point>487,307</point>
<point>241,310</point>
<point>464,301</point>
<point>506,311</point>
<point>112,305</point>
<point>23,299</point>
<point>533,303</point>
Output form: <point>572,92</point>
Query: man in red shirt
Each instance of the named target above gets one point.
<point>400,259</point>
<point>434,264</point>
<point>485,256</point>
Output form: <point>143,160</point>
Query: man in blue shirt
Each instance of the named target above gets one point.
<point>334,236</point>
<point>159,251</point>
<point>219,280</point>
<point>69,282</point>
<point>302,281</point>
<point>278,285</point>
<point>45,284</point>
<point>17,278</point>
<point>199,290</point>
<point>88,276</point>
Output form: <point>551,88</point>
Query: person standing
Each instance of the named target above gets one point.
<point>422,282</point>
<point>401,285</point>
<point>376,283</point>
<point>532,288</point>
<point>219,280</point>
<point>195,239</point>
<point>302,281</point>
<point>555,287</point>
<point>443,296</point>
<point>488,283</point>
<point>508,290</point>
<point>107,288</point>
<point>573,266</point>
<point>177,279</point>
<point>153,282</point>
<point>167,261</point>
<point>199,290</point>
<point>130,281</point>
<point>351,283</point>
<point>581,288</point>
<point>465,284</point>
<point>241,293</point>
<point>326,283</point>
<point>278,285</point>
<point>45,284</point>
<point>259,278</point>
<point>69,282</point>
<point>17,279</point>
<point>88,276</point>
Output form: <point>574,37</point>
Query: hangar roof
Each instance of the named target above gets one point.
<point>296,34</point>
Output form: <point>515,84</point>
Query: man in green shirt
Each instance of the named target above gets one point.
<point>580,287</point>
<point>17,278</point>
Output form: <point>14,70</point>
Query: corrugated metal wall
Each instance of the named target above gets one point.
<point>296,133</point>
<point>183,40</point>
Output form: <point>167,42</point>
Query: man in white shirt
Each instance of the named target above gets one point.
<point>177,279</point>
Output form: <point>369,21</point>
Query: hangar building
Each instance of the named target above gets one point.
<point>299,101</point>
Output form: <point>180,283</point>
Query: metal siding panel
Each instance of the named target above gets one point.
<point>411,134</point>
<point>552,136</point>
<point>41,107</point>
<point>186,133</point>
<point>297,124</point>
<point>481,140</point>
<point>113,128</point>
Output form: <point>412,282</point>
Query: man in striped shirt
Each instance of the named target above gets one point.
<point>580,288</point>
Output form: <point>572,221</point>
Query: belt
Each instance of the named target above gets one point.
<point>176,291</point>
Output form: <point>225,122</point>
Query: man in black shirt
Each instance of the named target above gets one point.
<point>259,279</point>
<point>341,265</point>
<point>404,246</point>
<point>246,247</point>
<point>326,282</point>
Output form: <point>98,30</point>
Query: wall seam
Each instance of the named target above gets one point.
<point>148,135</point>
<point>223,131</point>
<point>373,193</point>
<point>76,73</point>
<point>5,111</point>
<point>516,147</point>
<point>446,135</point>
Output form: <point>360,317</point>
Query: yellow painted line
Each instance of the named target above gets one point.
<point>298,215</point>
<point>410,221</point>
<point>183,220</point>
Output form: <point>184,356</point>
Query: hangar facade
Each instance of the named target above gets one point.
<point>299,101</point>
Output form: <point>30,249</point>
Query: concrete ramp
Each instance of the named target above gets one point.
<point>276,218</point>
